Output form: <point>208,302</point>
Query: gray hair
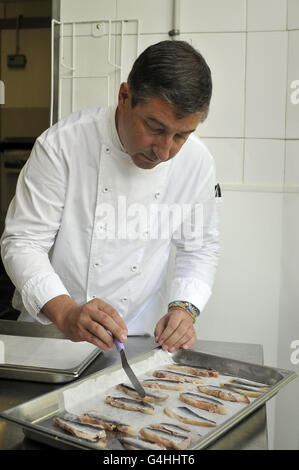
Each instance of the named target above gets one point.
<point>175,71</point>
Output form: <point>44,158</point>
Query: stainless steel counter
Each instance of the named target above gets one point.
<point>250,434</point>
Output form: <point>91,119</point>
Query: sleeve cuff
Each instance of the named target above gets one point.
<point>190,290</point>
<point>38,291</point>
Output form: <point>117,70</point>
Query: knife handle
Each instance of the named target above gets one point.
<point>119,345</point>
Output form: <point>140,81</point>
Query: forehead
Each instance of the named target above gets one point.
<point>161,113</point>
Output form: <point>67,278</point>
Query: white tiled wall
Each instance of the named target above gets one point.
<point>252,49</point>
<point>266,71</point>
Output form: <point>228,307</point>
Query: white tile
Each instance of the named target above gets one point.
<point>155,16</point>
<point>292,124</point>
<point>228,155</point>
<point>225,55</point>
<point>293,14</point>
<point>91,92</point>
<point>212,15</point>
<point>129,50</point>
<point>266,84</point>
<point>76,10</point>
<point>264,161</point>
<point>292,162</point>
<point>266,15</point>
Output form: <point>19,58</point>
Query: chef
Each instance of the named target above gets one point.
<point>104,196</point>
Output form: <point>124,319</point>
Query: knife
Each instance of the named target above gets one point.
<point>133,379</point>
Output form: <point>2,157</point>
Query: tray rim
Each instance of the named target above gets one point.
<point>214,434</point>
<point>46,374</point>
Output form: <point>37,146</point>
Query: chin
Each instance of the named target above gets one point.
<point>143,163</point>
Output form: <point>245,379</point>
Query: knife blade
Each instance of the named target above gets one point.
<point>132,377</point>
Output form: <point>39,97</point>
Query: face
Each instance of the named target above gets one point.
<point>151,132</point>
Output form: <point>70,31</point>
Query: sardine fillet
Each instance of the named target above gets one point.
<point>203,405</point>
<point>96,437</point>
<point>193,421</point>
<point>166,439</point>
<point>129,406</point>
<point>168,375</point>
<point>148,398</point>
<point>95,418</point>
<point>247,393</point>
<point>164,386</point>
<point>222,394</point>
<point>193,370</point>
<point>175,429</point>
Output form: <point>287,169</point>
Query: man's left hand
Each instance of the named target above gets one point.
<point>175,330</point>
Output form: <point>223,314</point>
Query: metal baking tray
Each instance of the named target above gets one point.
<point>43,337</point>
<point>36,415</point>
<point>46,374</point>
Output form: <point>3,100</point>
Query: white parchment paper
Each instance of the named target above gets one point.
<point>91,394</point>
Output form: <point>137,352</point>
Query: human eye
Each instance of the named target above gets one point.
<point>153,129</point>
<point>181,137</point>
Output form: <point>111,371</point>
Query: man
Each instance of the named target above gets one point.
<point>68,263</point>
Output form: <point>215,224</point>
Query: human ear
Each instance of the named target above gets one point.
<point>124,94</point>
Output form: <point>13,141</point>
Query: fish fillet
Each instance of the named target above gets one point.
<point>165,374</point>
<point>130,404</point>
<point>165,438</point>
<point>97,419</point>
<point>250,383</point>
<point>187,416</point>
<point>245,390</point>
<point>83,431</point>
<point>218,392</point>
<point>175,429</point>
<point>204,403</point>
<point>150,397</point>
<point>193,370</point>
<point>163,384</point>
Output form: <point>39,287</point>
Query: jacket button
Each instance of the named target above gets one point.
<point>124,299</point>
<point>157,195</point>
<point>134,267</point>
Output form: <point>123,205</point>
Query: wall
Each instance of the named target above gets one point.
<point>252,131</point>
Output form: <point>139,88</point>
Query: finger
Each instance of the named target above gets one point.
<point>96,341</point>
<point>79,332</point>
<point>189,343</point>
<point>178,322</point>
<point>101,333</point>
<point>103,306</point>
<point>180,328</point>
<point>188,339</point>
<point>172,324</point>
<point>181,335</point>
<point>109,319</point>
<point>159,328</point>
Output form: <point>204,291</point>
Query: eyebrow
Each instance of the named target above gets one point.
<point>156,121</point>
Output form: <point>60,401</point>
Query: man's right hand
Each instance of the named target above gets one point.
<point>92,322</point>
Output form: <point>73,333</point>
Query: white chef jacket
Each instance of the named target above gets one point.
<point>53,242</point>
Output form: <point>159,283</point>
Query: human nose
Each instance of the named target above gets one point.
<point>163,147</point>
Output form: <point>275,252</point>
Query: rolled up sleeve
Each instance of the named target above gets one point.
<point>197,256</point>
